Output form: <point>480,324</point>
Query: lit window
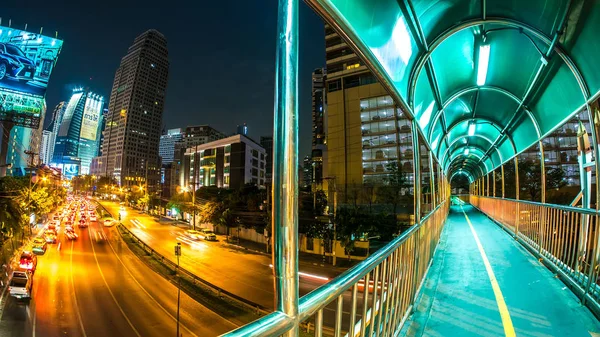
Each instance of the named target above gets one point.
<point>353,66</point>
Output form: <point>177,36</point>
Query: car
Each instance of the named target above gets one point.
<point>50,236</point>
<point>39,246</point>
<point>109,222</point>
<point>193,234</point>
<point>93,218</point>
<point>28,261</point>
<point>14,64</point>
<point>20,284</point>
<point>82,223</point>
<point>70,234</point>
<point>208,235</point>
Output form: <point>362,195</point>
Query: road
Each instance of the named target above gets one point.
<point>242,273</point>
<point>95,286</point>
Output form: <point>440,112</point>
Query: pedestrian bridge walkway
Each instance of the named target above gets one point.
<point>483,282</point>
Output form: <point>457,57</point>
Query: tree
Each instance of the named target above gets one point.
<point>530,179</point>
<point>229,220</point>
<point>395,182</point>
<point>210,211</point>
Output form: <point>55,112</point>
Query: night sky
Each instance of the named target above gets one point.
<point>221,53</point>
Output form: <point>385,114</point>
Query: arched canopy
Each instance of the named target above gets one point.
<point>499,74</point>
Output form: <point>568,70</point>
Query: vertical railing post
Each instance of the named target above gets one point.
<point>543,169</point>
<point>517,188</point>
<point>502,172</point>
<point>432,181</point>
<point>416,170</point>
<point>494,182</point>
<point>285,168</point>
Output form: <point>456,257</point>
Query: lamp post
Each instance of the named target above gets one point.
<point>178,254</point>
<point>334,214</point>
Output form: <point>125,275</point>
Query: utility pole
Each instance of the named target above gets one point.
<point>178,254</point>
<point>334,219</point>
<point>31,155</point>
<point>194,186</point>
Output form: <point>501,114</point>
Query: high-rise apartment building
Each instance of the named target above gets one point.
<point>319,146</point>
<point>45,146</point>
<point>57,115</point>
<point>78,133</point>
<point>134,120</point>
<point>364,129</point>
<point>267,143</point>
<point>167,143</point>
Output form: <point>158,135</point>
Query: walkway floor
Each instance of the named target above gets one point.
<point>459,298</point>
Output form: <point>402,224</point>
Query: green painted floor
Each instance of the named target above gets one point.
<point>458,300</point>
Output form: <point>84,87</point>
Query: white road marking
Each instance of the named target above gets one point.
<point>147,293</point>
<point>75,294</point>
<point>111,293</point>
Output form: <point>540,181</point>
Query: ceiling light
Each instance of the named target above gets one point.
<point>466,152</point>
<point>471,131</point>
<point>482,65</point>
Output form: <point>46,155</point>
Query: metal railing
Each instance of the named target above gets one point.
<point>387,284</point>
<point>564,238</point>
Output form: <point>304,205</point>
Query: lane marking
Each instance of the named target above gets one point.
<point>110,291</point>
<point>509,330</point>
<point>147,293</point>
<point>75,294</point>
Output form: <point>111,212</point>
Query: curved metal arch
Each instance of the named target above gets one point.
<point>467,90</point>
<point>466,136</point>
<point>476,164</point>
<point>438,40</point>
<point>470,170</point>
<point>461,147</point>
<point>494,124</point>
<point>467,163</point>
<point>469,176</point>
<point>448,161</point>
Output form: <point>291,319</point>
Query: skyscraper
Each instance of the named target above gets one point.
<point>134,120</point>
<point>45,146</point>
<point>319,146</point>
<point>78,133</point>
<point>57,115</point>
<point>167,144</point>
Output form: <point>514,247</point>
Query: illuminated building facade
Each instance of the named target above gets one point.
<point>134,120</point>
<point>78,133</point>
<point>230,162</point>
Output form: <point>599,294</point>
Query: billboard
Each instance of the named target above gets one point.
<point>26,62</point>
<point>91,117</point>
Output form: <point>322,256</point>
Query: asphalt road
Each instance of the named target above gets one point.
<point>95,286</point>
<point>243,273</point>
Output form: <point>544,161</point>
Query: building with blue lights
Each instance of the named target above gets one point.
<point>78,133</point>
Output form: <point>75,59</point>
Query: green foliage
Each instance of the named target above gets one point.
<point>530,179</point>
<point>395,182</point>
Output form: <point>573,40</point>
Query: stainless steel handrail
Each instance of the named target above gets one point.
<point>565,239</point>
<point>388,296</point>
<point>313,301</point>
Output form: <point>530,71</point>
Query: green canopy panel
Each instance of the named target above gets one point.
<point>498,74</point>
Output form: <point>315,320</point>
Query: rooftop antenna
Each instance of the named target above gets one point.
<point>41,30</point>
<point>0,21</point>
<point>25,27</point>
<point>9,22</point>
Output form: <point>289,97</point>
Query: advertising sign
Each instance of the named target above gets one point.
<point>91,117</point>
<point>26,62</point>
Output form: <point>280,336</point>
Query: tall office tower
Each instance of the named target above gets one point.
<point>45,146</point>
<point>78,133</point>
<point>134,120</point>
<point>57,115</point>
<point>319,145</point>
<point>267,143</point>
<point>166,148</point>
<point>364,129</point>
<point>102,127</point>
<point>242,129</point>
